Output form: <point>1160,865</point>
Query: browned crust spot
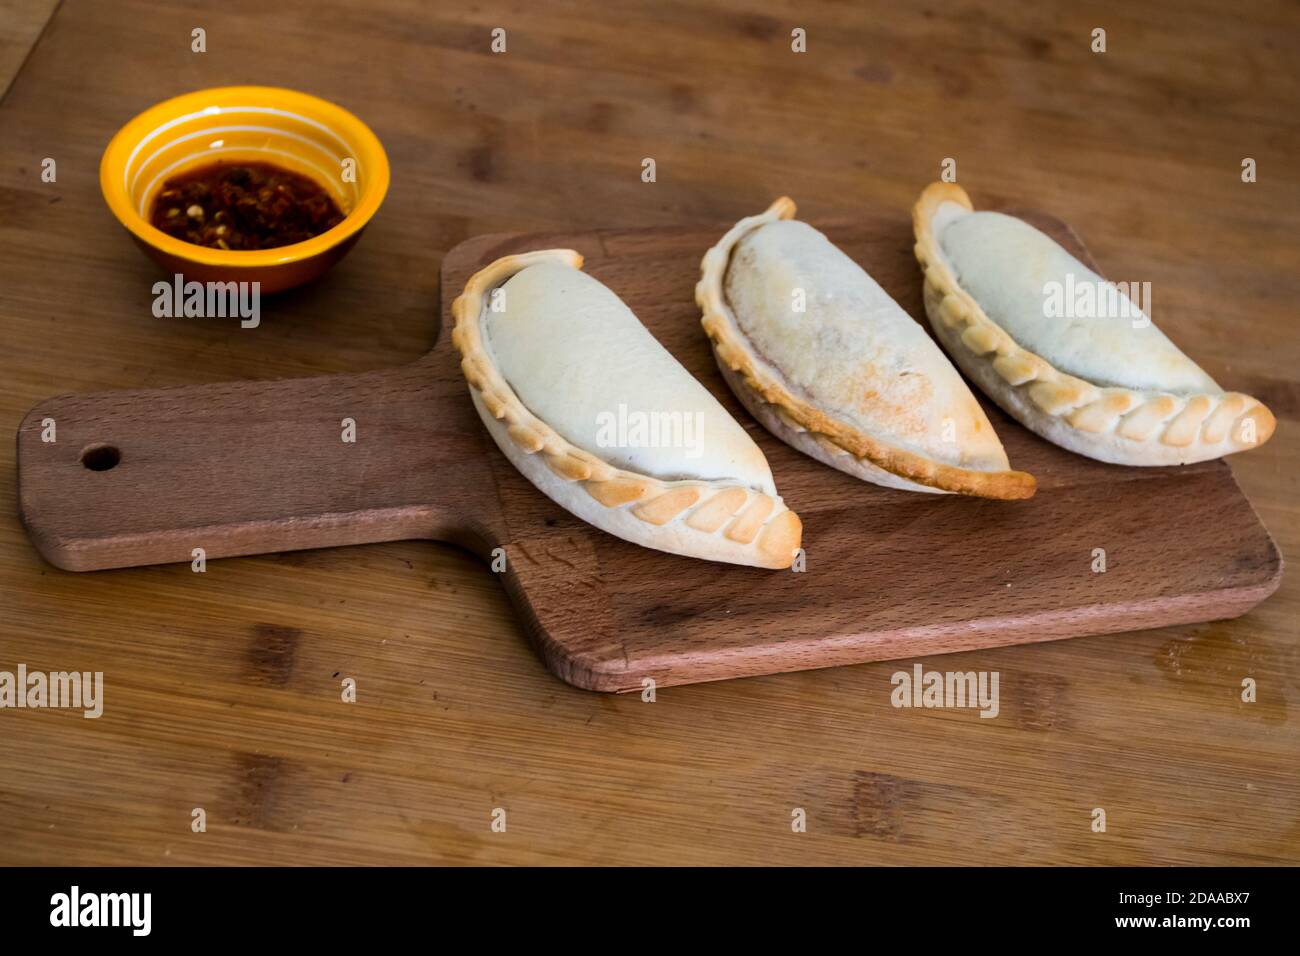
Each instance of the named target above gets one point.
<point>733,349</point>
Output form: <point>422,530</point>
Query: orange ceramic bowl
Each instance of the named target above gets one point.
<point>295,131</point>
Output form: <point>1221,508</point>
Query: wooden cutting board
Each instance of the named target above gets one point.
<point>252,467</point>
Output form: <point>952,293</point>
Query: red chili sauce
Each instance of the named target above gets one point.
<point>250,205</point>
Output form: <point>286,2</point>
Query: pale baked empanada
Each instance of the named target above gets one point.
<point>1109,385</point>
<point>569,383</point>
<point>831,365</point>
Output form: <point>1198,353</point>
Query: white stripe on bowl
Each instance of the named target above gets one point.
<point>215,130</point>
<point>216,110</point>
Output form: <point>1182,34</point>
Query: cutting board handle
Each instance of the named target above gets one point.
<point>118,479</point>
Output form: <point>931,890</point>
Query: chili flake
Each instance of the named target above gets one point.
<point>251,205</point>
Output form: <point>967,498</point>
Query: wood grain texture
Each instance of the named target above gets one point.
<point>890,574</point>
<point>222,689</point>
<point>21,23</point>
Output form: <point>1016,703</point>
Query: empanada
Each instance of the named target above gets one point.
<point>830,364</point>
<point>588,405</point>
<point>1098,379</point>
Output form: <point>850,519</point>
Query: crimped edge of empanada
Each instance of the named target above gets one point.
<point>732,350</point>
<point>1118,425</point>
<point>715,520</point>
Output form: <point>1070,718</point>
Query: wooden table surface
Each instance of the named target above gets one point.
<point>222,689</point>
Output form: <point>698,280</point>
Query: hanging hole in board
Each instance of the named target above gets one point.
<point>100,457</point>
